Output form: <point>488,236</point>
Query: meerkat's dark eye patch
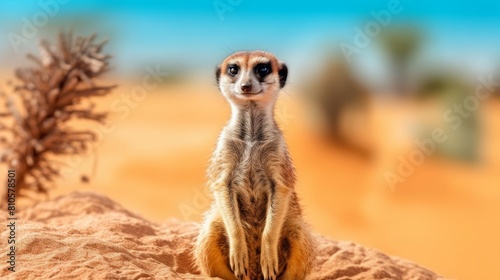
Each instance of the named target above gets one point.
<point>263,69</point>
<point>232,69</point>
<point>283,74</point>
<point>217,74</point>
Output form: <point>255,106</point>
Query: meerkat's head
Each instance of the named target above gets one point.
<point>255,75</point>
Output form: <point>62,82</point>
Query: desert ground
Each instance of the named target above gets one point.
<point>445,216</point>
<point>84,235</point>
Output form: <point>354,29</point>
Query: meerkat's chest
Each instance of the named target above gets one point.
<point>252,183</point>
<point>252,177</point>
<point>254,162</point>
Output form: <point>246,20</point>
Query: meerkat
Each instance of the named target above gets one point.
<point>255,228</point>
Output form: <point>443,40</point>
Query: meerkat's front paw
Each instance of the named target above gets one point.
<point>269,261</point>
<point>238,260</point>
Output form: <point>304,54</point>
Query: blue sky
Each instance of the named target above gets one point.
<point>191,32</point>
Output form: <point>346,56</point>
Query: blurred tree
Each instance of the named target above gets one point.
<point>461,126</point>
<point>497,88</point>
<point>339,103</point>
<point>400,45</point>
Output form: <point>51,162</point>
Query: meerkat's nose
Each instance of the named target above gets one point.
<point>246,87</point>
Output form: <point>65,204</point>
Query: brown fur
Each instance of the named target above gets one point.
<point>255,228</point>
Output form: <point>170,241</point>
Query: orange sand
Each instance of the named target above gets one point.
<point>88,236</point>
<point>444,217</point>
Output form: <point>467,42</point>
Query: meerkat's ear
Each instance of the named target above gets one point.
<point>217,74</point>
<point>283,74</point>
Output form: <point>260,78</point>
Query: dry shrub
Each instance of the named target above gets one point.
<point>36,126</point>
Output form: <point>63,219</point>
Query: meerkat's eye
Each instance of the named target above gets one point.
<point>262,69</point>
<point>232,70</point>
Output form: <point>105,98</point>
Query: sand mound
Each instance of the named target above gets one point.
<point>89,236</point>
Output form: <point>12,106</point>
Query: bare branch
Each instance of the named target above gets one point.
<point>39,112</point>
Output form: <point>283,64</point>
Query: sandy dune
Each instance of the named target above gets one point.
<point>444,216</point>
<point>88,236</point>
